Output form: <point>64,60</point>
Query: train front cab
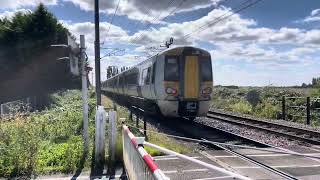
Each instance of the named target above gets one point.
<point>187,83</point>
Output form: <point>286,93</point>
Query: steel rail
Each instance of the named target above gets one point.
<point>288,131</point>
<point>253,161</point>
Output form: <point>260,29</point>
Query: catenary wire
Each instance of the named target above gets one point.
<point>111,21</point>
<point>225,16</point>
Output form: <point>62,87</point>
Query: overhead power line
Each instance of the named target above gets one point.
<point>137,22</point>
<point>165,17</point>
<point>111,21</point>
<point>225,16</point>
<point>162,19</point>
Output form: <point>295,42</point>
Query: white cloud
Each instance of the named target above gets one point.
<point>145,10</point>
<point>311,37</point>
<point>234,29</point>
<point>110,35</point>
<point>314,16</point>
<point>236,39</point>
<point>10,14</point>
<point>10,4</point>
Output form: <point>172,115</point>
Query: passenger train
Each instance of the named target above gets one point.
<point>176,82</point>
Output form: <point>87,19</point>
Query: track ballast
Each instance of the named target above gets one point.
<point>301,134</point>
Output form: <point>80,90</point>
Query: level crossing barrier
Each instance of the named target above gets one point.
<point>138,163</point>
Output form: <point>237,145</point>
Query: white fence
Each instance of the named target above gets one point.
<point>138,163</point>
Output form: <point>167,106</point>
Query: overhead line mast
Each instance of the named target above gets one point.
<point>97,51</point>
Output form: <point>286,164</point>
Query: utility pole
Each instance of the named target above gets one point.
<point>84,95</point>
<point>97,51</point>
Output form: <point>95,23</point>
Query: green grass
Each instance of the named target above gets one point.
<point>48,141</point>
<point>155,138</point>
<point>269,101</point>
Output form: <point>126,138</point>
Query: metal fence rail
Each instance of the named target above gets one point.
<point>308,107</point>
<point>138,163</point>
<point>18,106</point>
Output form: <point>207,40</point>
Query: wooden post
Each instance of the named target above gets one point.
<point>144,126</point>
<point>1,110</point>
<point>100,138</point>
<point>112,138</point>
<point>137,119</point>
<point>85,106</point>
<point>283,107</point>
<point>130,115</point>
<point>308,111</point>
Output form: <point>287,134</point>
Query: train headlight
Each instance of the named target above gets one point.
<point>170,90</point>
<point>207,90</point>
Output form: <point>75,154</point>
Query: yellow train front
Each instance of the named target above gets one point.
<point>177,82</point>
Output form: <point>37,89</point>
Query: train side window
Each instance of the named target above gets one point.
<point>147,79</point>
<point>153,73</point>
<point>206,70</point>
<point>171,69</point>
<point>146,76</point>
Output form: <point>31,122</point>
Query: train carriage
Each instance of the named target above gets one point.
<point>177,82</point>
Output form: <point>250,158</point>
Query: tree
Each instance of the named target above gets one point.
<point>25,41</point>
<point>26,33</point>
<point>304,85</point>
<point>253,97</point>
<point>109,72</point>
<point>316,82</point>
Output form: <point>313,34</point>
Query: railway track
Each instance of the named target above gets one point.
<point>196,130</point>
<point>295,133</point>
<point>199,131</point>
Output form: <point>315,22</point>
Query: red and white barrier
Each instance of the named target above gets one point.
<point>136,159</point>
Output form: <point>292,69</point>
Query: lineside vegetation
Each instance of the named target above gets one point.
<point>45,142</point>
<point>265,102</point>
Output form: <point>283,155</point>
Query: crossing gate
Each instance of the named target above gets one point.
<point>138,163</point>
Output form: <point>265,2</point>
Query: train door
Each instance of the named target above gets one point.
<point>191,77</point>
<point>146,77</point>
<point>153,81</point>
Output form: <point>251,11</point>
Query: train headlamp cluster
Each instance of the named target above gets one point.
<point>171,91</point>
<point>207,90</point>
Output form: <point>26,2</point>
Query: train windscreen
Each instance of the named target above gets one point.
<point>206,70</point>
<point>171,70</point>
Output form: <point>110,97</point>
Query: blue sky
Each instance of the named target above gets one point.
<point>273,42</point>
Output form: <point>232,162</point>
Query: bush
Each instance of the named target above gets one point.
<point>253,97</point>
<point>19,145</point>
<point>241,107</point>
<point>267,110</point>
<point>315,92</point>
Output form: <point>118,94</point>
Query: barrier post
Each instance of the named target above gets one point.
<point>283,107</point>
<point>308,111</point>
